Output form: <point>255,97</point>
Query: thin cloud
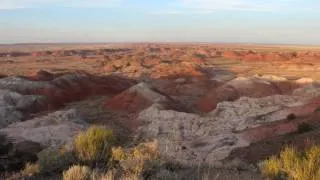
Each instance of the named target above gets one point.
<point>16,4</point>
<point>182,12</point>
<point>239,5</point>
<point>181,7</point>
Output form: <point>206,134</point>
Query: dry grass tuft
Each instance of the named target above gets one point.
<point>292,164</point>
<point>137,160</point>
<point>77,172</point>
<point>95,144</point>
<point>31,169</point>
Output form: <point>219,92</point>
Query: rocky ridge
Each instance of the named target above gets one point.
<point>210,138</point>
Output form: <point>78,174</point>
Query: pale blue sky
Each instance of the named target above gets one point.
<point>249,21</point>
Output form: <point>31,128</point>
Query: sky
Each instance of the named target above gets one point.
<point>225,21</point>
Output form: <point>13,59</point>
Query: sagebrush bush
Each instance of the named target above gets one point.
<point>55,161</point>
<point>135,161</point>
<point>292,164</point>
<point>118,154</point>
<point>95,144</point>
<point>31,169</point>
<point>77,172</point>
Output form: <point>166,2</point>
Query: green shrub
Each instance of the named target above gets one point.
<point>292,164</point>
<point>54,161</point>
<point>31,169</point>
<point>95,144</point>
<point>200,56</point>
<point>77,172</point>
<point>303,127</point>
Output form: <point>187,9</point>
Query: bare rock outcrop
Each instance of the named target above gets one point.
<point>256,86</point>
<point>21,96</point>
<point>190,138</point>
<point>135,99</point>
<point>15,107</point>
<point>66,87</point>
<point>53,130</point>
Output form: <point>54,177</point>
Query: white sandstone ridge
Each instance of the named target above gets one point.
<point>191,138</point>
<point>270,77</point>
<point>139,97</point>
<point>305,81</point>
<point>267,79</point>
<point>145,91</point>
<point>53,130</point>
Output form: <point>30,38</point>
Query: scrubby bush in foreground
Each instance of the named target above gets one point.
<point>137,160</point>
<point>77,172</point>
<point>292,164</point>
<point>31,169</point>
<point>95,144</point>
<point>55,161</point>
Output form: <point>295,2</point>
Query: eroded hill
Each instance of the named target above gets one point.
<point>202,104</point>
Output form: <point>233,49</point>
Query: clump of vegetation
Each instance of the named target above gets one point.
<point>317,110</point>
<point>95,144</point>
<point>110,175</point>
<point>77,172</point>
<point>200,56</point>
<point>303,127</point>
<point>292,164</point>
<point>55,161</point>
<point>92,148</point>
<point>137,160</point>
<point>31,169</point>
<point>291,117</point>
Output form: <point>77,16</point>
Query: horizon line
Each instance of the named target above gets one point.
<point>159,42</point>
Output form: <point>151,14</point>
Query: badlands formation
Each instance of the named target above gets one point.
<point>228,106</point>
